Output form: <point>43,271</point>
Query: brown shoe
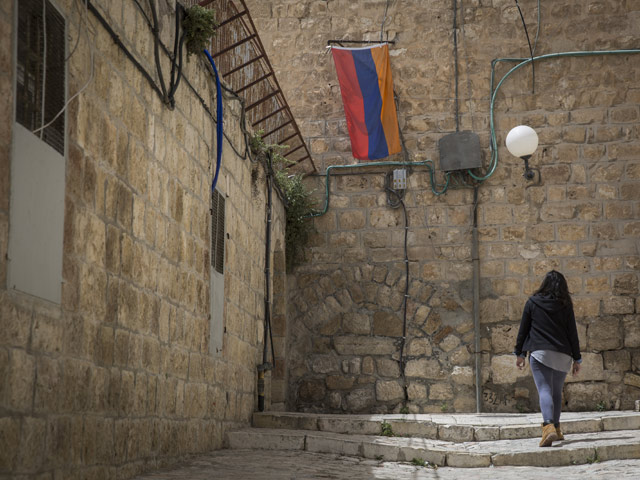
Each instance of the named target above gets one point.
<point>559,433</point>
<point>549,435</point>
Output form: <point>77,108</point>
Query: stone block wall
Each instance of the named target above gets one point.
<point>346,312</point>
<point>118,379</point>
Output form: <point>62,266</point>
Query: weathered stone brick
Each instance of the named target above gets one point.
<point>387,367</point>
<point>352,345</point>
<point>388,391</point>
<point>560,249</point>
<point>360,399</point>
<point>554,213</point>
<point>419,347</point>
<point>416,391</point>
<point>572,232</point>
<point>20,381</point>
<point>629,191</point>
<point>619,360</point>
<point>597,284</point>
<point>604,333</point>
<point>424,368</point>
<point>632,379</point>
<point>504,370</point>
<point>498,215</point>
<point>503,338</point>
<point>463,375</point>
<point>585,396</point>
<point>631,325</point>
<point>624,114</point>
<point>387,324</point>
<point>625,284</point>
<point>592,369</point>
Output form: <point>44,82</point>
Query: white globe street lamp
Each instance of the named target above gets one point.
<point>522,142</point>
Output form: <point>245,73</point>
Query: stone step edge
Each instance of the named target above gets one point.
<point>428,429</point>
<point>381,448</point>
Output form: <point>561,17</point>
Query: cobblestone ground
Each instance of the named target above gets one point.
<point>289,465</point>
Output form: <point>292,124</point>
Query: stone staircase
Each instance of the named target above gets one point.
<point>455,440</point>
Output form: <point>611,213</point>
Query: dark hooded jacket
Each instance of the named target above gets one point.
<point>548,324</point>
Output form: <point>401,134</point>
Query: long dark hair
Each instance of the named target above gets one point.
<point>555,285</point>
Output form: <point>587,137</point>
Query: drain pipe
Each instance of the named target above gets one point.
<point>476,297</point>
<point>262,368</point>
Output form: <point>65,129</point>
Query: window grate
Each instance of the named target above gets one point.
<point>37,18</point>
<point>217,231</point>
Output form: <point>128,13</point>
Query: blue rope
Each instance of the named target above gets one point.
<point>219,118</point>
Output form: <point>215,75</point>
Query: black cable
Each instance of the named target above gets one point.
<point>176,71</point>
<point>384,20</point>
<point>395,204</point>
<point>455,61</point>
<point>247,152</point>
<point>156,53</point>
<point>405,152</point>
<point>143,12</point>
<point>267,269</point>
<point>125,50</point>
<point>533,69</point>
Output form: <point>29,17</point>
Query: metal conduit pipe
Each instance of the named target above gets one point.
<point>264,366</point>
<point>475,258</point>
<point>493,142</point>
<point>427,163</point>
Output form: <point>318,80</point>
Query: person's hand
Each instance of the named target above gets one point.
<point>520,362</point>
<point>575,370</point>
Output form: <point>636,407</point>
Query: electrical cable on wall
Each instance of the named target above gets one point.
<point>395,203</point>
<point>229,93</point>
<point>533,69</point>
<point>384,20</point>
<point>219,124</point>
<point>92,68</point>
<point>523,62</point>
<point>44,68</point>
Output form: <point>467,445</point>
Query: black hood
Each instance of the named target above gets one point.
<point>548,303</point>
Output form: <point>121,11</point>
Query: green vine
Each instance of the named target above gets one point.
<point>298,198</point>
<point>199,26</point>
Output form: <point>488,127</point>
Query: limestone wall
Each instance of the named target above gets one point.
<point>118,379</point>
<point>583,218</point>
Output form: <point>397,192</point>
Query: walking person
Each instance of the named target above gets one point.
<point>548,332</point>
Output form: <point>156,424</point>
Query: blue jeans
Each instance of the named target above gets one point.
<point>549,383</point>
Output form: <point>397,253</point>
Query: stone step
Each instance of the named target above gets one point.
<point>451,428</point>
<point>576,449</point>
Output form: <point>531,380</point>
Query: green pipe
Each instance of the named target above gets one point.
<point>493,142</point>
<point>427,163</point>
<point>523,62</point>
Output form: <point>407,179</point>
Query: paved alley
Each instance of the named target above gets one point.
<point>300,465</point>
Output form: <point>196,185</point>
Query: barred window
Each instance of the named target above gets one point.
<point>41,70</point>
<point>217,231</point>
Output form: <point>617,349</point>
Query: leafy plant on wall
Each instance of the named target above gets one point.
<point>299,204</point>
<point>199,26</point>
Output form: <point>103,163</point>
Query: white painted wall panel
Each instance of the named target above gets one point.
<point>36,216</point>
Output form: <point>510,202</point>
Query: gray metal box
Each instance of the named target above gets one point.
<point>459,151</point>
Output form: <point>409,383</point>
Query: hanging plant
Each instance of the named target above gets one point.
<point>298,197</point>
<point>199,26</point>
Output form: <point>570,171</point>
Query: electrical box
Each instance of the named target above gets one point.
<point>400,179</point>
<point>459,151</point>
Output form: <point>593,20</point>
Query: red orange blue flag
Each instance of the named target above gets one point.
<point>366,85</point>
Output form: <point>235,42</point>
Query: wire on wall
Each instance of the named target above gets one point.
<point>384,20</point>
<point>84,21</point>
<point>395,199</point>
<point>533,68</point>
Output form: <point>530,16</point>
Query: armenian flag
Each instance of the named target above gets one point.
<point>366,85</point>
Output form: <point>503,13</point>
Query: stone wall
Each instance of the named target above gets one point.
<point>583,218</point>
<point>118,379</point>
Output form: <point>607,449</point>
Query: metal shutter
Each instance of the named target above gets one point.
<point>217,231</point>
<point>39,20</point>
